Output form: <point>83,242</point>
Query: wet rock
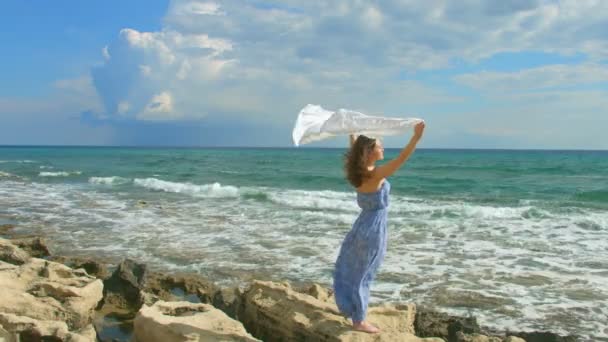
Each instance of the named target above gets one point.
<point>227,300</point>
<point>514,339</point>
<point>124,286</point>
<point>180,286</point>
<point>184,321</point>
<point>114,324</point>
<point>91,266</point>
<point>35,246</point>
<point>433,323</point>
<point>6,228</point>
<point>538,336</point>
<point>275,312</point>
<point>461,337</point>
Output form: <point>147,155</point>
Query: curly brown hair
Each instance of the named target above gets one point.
<point>355,160</point>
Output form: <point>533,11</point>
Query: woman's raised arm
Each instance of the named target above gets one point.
<point>389,168</point>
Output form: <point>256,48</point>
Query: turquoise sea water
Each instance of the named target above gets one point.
<point>518,238</point>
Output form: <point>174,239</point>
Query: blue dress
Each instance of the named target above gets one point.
<point>361,253</point>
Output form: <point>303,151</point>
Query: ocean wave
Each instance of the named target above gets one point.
<point>5,174</point>
<point>205,190</point>
<point>593,196</point>
<point>108,180</point>
<point>315,200</point>
<point>18,161</point>
<point>256,195</point>
<point>58,174</point>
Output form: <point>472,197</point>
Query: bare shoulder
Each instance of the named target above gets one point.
<point>373,184</point>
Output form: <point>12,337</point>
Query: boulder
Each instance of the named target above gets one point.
<point>92,266</point>
<point>543,336</point>
<point>35,246</point>
<point>276,312</point>
<point>185,321</point>
<point>45,300</point>
<point>438,324</point>
<point>12,254</point>
<point>124,287</point>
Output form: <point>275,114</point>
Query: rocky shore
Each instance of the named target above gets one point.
<point>46,297</point>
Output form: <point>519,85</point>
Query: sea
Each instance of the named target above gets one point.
<point>517,238</point>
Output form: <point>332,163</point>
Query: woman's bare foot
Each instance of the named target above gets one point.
<point>365,327</point>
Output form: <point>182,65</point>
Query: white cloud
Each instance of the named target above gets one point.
<point>77,93</point>
<point>160,108</point>
<point>123,107</point>
<point>105,53</point>
<point>373,17</point>
<point>197,8</point>
<point>265,60</point>
<point>535,78</point>
<point>145,70</point>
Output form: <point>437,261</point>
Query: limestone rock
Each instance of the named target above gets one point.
<point>41,298</point>
<point>185,321</point>
<point>124,286</point>
<point>514,339</point>
<point>177,286</point>
<point>12,254</point>
<point>438,324</point>
<point>275,312</point>
<point>21,328</point>
<point>93,267</point>
<point>460,337</point>
<point>226,300</point>
<point>543,336</point>
<point>35,246</point>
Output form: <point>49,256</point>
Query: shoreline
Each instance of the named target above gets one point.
<point>116,311</point>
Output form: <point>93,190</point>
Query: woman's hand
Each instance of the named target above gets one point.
<point>418,130</point>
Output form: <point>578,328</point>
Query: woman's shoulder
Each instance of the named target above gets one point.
<point>371,185</point>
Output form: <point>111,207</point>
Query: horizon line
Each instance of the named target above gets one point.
<point>299,147</point>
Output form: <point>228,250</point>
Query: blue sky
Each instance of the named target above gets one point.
<point>509,74</point>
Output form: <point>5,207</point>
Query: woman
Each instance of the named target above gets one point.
<point>364,247</point>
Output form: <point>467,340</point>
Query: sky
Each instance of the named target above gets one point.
<point>511,74</point>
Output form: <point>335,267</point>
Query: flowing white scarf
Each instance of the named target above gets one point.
<point>315,123</point>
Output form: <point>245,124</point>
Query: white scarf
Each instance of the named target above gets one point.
<point>315,123</point>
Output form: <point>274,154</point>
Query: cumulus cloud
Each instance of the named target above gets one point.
<point>265,60</point>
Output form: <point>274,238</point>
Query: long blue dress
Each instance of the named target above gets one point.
<point>361,253</point>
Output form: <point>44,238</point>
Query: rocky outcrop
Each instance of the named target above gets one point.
<point>41,298</point>
<point>93,267</point>
<point>275,312</point>
<point>12,254</point>
<point>124,287</point>
<point>437,324</point>
<point>35,246</point>
<point>185,321</point>
<point>540,336</point>
<point>173,286</point>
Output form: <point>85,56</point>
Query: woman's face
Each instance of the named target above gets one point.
<point>378,151</point>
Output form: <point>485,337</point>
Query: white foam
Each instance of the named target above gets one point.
<point>108,180</point>
<point>297,235</point>
<point>5,174</point>
<point>58,174</point>
<point>18,161</point>
<point>206,190</point>
<point>303,199</point>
